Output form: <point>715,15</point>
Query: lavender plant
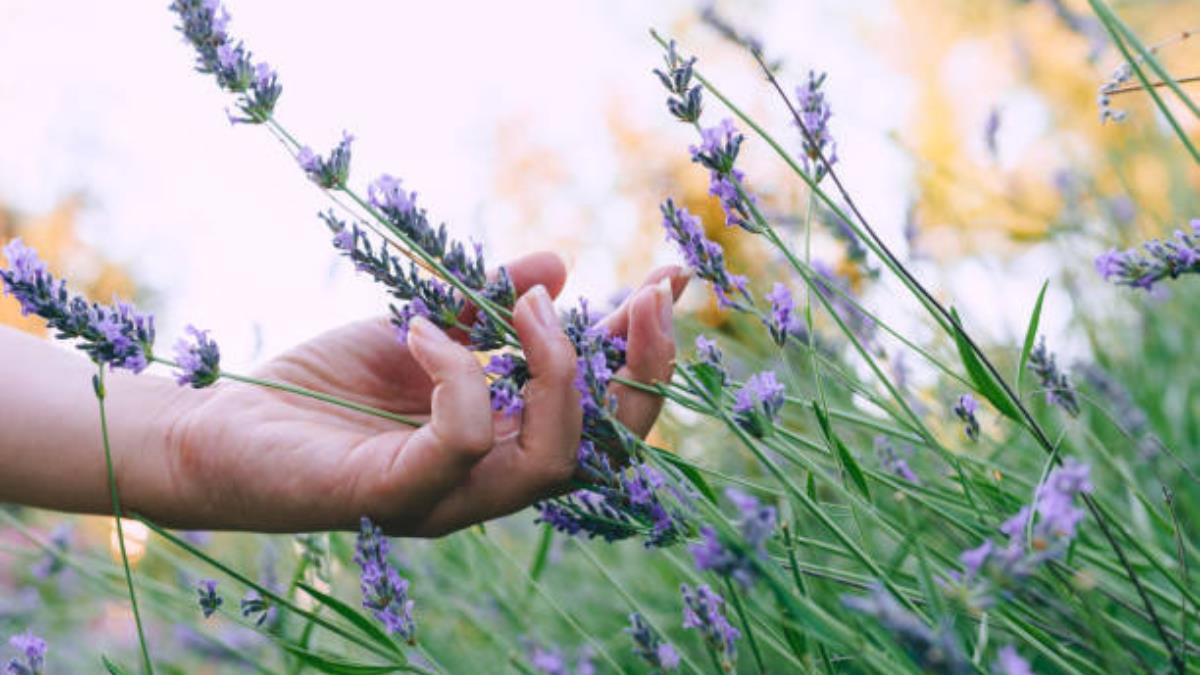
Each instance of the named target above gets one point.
<point>846,527</point>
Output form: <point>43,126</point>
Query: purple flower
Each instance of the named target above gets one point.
<point>814,113</point>
<point>199,360</point>
<point>965,410</point>
<point>649,645</point>
<point>384,591</point>
<point>684,102</point>
<point>1009,662</point>
<point>32,650</point>
<point>117,334</point>
<point>974,559</point>
<point>331,172</point>
<point>718,151</point>
<point>204,24</point>
<point>1156,261</point>
<point>254,603</point>
<point>1055,383</point>
<point>387,193</point>
<point>783,320</point>
<point>892,461</point>
<point>835,288</point>
<point>703,255</point>
<point>511,373</point>
<point>757,404</point>
<point>702,610</point>
<point>209,600</point>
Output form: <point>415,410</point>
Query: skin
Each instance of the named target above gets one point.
<point>237,456</point>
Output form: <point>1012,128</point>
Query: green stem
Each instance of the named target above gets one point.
<point>98,387</point>
<point>308,393</point>
<point>736,599</point>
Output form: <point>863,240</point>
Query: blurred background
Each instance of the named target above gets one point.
<point>969,133</point>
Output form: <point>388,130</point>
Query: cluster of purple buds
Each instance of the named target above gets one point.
<point>32,659</point>
<point>737,560</point>
<point>935,651</point>
<point>1120,75</point>
<point>253,603</point>
<point>1054,382</point>
<point>510,373</point>
<point>1157,260</point>
<point>842,231</point>
<point>425,296</point>
<point>384,591</point>
<point>117,334</point>
<point>703,255</point>
<point>893,461</point>
<point>598,357</point>
<point>1127,413</point>
<point>199,359</point>
<point>965,410</point>
<point>1029,544</point>
<point>53,561</point>
<point>209,600</point>
<point>619,504</point>
<point>708,353</point>
<point>717,152</point>
<point>758,403</point>
<point>329,172</point>
<point>684,102</point>
<point>783,320</point>
<point>703,610</point>
<point>552,661</point>
<point>649,645</point>
<point>814,113</point>
<point>205,25</point>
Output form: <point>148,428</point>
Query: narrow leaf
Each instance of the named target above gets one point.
<point>542,554</point>
<point>1030,334</point>
<point>330,664</point>
<point>985,384</point>
<point>847,460</point>
<point>365,624</point>
<point>111,667</point>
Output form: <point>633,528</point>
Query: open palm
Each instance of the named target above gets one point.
<point>246,457</point>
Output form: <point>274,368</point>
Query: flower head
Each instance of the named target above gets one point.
<point>757,404</point>
<point>893,461</point>
<point>703,611</point>
<point>718,151</point>
<point>814,113</point>
<point>934,650</point>
<point>965,410</point>
<point>384,591</point>
<point>32,650</point>
<point>703,255</point>
<point>511,373</point>
<point>737,559</point>
<point>117,334</point>
<point>649,645</point>
<point>329,172</point>
<point>1009,662</point>
<point>209,600</point>
<point>685,100</point>
<point>199,359</point>
<point>1157,260</point>
<point>1055,382</point>
<point>783,320</point>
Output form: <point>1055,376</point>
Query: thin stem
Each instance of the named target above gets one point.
<point>116,506</point>
<point>736,599</point>
<point>308,393</point>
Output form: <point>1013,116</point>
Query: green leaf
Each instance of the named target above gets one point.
<point>330,664</point>
<point>365,624</point>
<point>711,378</point>
<point>847,460</point>
<point>542,554</point>
<point>985,384</point>
<point>810,487</point>
<point>1030,334</point>
<point>112,667</point>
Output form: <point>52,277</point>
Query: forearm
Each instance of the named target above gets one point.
<point>51,451</point>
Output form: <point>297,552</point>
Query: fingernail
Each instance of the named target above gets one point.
<point>423,331</point>
<point>666,301</point>
<point>543,307</point>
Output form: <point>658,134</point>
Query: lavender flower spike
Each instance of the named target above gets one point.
<point>385,593</point>
<point>649,645</point>
<point>965,409</point>
<point>814,113</point>
<point>1158,260</point>
<point>737,560</point>
<point>1009,662</point>
<point>1055,382</point>
<point>685,100</point>
<point>199,360</point>
<point>702,610</point>
<point>117,334</point>
<point>936,651</point>
<point>757,404</point>
<point>718,151</point>
<point>209,600</point>
<point>328,172</point>
<point>33,652</point>
<point>703,255</point>
<point>783,320</point>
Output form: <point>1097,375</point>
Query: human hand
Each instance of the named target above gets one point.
<point>245,457</point>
